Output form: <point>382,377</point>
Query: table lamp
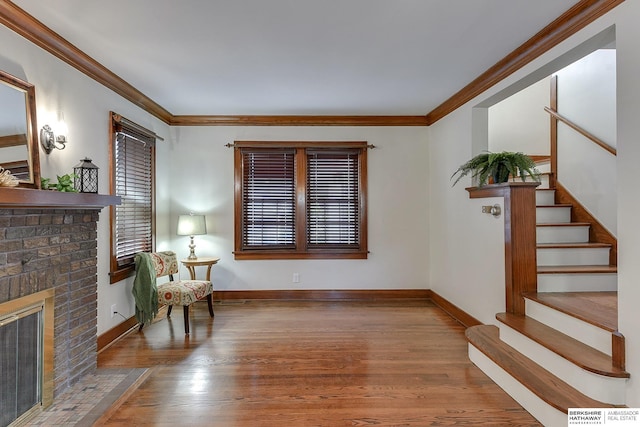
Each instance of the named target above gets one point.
<point>191,225</point>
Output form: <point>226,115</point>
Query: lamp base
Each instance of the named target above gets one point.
<point>192,247</point>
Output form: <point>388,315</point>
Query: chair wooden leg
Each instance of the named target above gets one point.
<point>169,311</point>
<point>141,326</point>
<point>186,319</point>
<point>210,303</point>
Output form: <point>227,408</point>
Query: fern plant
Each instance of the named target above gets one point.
<point>499,166</point>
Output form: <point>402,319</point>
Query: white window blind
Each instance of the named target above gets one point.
<point>268,198</point>
<point>134,184</point>
<point>332,198</point>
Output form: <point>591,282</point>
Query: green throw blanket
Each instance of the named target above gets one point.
<point>144,289</point>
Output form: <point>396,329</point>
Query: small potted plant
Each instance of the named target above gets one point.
<point>499,167</point>
<point>64,184</point>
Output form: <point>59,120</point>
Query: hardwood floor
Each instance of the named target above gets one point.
<point>268,363</point>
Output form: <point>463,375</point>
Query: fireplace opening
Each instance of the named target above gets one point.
<point>26,354</point>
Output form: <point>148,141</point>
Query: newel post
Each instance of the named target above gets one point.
<point>519,238</point>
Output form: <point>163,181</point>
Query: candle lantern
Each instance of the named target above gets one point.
<point>86,176</point>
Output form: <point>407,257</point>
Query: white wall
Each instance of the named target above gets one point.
<point>519,123</point>
<point>586,93</point>
<point>466,246</point>
<point>202,181</point>
<point>587,96</point>
<point>628,112</point>
<point>63,94</point>
<point>471,243</point>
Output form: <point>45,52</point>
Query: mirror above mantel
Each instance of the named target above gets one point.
<point>18,138</point>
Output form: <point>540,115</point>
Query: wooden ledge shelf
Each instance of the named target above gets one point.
<point>46,199</point>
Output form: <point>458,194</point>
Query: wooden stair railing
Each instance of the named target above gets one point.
<point>555,118</point>
<point>519,238</point>
<point>581,131</point>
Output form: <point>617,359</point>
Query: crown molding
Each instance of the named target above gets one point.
<point>567,24</point>
<point>205,120</point>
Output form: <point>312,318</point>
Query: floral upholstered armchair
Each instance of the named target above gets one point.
<point>148,295</point>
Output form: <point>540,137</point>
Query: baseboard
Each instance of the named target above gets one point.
<point>317,295</point>
<point>116,332</point>
<point>464,318</point>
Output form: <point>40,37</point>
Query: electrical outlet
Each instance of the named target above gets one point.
<point>114,309</point>
<point>296,277</point>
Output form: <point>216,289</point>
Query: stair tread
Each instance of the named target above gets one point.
<point>564,224</point>
<point>569,269</point>
<point>557,205</point>
<point>578,353</point>
<point>538,380</point>
<point>596,308</point>
<point>573,245</point>
<point>545,189</point>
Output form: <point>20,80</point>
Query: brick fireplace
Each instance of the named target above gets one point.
<point>48,242</point>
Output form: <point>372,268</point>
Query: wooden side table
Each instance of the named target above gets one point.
<point>191,265</point>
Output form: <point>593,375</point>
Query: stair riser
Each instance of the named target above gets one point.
<point>587,333</point>
<point>545,198</point>
<point>544,167</point>
<point>548,215</point>
<point>578,282</point>
<point>543,412</point>
<point>562,234</point>
<point>544,181</point>
<point>602,388</point>
<point>572,256</point>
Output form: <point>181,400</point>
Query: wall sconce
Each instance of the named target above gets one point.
<point>49,141</point>
<point>191,225</point>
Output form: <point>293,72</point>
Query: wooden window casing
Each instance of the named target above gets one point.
<point>132,169</point>
<point>298,200</point>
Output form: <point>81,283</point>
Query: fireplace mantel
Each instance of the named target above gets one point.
<point>31,198</point>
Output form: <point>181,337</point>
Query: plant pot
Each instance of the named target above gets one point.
<point>500,175</point>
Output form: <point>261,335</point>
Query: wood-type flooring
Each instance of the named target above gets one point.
<point>299,363</point>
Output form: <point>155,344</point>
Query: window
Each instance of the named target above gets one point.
<point>300,200</point>
<point>132,178</point>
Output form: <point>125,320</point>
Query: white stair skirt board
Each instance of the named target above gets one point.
<point>599,387</point>
<point>573,256</point>
<point>553,215</point>
<point>584,332</point>
<point>577,282</point>
<point>545,198</point>
<point>541,410</point>
<point>562,234</point>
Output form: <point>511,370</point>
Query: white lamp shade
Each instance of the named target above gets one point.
<point>191,225</point>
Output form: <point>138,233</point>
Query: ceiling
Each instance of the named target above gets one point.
<point>297,57</point>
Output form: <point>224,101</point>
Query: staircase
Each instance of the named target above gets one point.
<point>565,351</point>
